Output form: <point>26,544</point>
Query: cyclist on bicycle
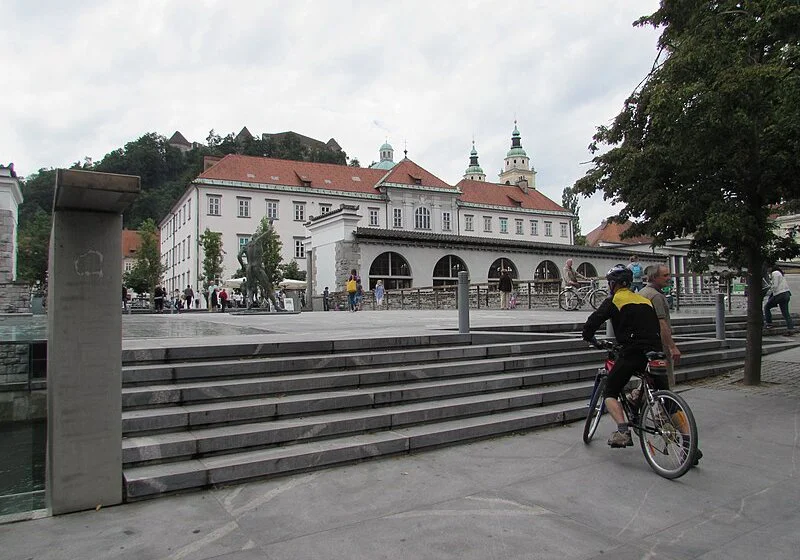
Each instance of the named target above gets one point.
<point>571,276</point>
<point>637,331</point>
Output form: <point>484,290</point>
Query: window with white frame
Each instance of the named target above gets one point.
<point>422,218</point>
<point>548,229</point>
<point>503,225</point>
<point>397,217</point>
<point>128,265</point>
<point>299,211</point>
<point>468,224</point>
<point>447,221</point>
<point>487,223</point>
<point>324,209</point>
<point>535,227</point>
<point>299,249</point>
<point>374,217</point>
<point>244,207</point>
<point>272,209</point>
<point>184,213</point>
<point>563,229</point>
<point>214,204</point>
<point>189,209</point>
<point>520,227</point>
<point>188,246</point>
<point>243,240</point>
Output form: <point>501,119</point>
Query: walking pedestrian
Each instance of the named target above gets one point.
<point>779,296</point>
<point>505,285</point>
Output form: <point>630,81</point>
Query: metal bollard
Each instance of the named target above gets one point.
<point>720,316</point>
<point>463,302</point>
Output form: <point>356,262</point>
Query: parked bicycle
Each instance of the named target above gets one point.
<point>661,419</point>
<point>571,298</point>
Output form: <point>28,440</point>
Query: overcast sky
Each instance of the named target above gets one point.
<point>81,78</point>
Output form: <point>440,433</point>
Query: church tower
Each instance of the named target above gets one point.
<point>387,157</point>
<point>517,169</point>
<point>474,171</point>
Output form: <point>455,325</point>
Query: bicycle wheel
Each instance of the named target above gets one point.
<point>597,297</point>
<point>668,434</point>
<point>597,406</point>
<point>568,300</point>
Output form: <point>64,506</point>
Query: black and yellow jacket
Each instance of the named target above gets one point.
<point>633,318</point>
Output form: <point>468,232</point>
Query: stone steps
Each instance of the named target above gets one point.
<point>192,420</point>
<point>197,473</point>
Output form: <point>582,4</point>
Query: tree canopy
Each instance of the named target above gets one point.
<point>708,146</point>
<point>213,255</point>
<point>569,200</point>
<point>147,268</point>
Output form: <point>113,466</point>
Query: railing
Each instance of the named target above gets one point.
<point>528,294</point>
<point>690,290</point>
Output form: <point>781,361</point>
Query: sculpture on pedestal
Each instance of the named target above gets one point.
<point>257,286</point>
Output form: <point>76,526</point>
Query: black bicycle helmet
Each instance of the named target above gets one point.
<point>619,276</point>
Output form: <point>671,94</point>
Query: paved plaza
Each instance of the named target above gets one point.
<point>541,494</point>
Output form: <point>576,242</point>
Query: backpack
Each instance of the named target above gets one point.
<point>637,271</point>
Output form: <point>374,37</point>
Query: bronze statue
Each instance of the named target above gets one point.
<point>257,285</point>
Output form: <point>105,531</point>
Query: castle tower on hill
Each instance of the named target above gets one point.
<point>474,171</point>
<point>517,169</point>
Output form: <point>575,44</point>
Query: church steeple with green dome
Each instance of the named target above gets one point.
<point>474,171</point>
<point>387,157</point>
<point>517,169</point>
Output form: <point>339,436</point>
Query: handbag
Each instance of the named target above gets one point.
<point>351,286</point>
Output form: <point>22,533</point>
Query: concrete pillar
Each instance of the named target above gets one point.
<point>10,199</point>
<point>84,351</point>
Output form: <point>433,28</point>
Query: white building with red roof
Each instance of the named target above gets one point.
<point>398,200</point>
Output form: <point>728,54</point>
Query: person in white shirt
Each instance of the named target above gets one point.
<point>779,296</point>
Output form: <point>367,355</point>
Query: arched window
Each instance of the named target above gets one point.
<point>393,269</point>
<point>498,266</point>
<point>587,269</point>
<point>422,218</point>
<point>446,270</point>
<point>547,270</point>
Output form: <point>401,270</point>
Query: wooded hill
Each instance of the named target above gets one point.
<point>165,172</point>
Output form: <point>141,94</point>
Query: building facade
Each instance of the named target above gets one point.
<point>234,193</point>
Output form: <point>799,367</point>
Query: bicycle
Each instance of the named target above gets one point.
<point>662,420</point>
<point>571,298</point>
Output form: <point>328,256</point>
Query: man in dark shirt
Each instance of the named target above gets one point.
<point>637,331</point>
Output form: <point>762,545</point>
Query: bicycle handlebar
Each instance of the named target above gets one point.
<point>603,344</point>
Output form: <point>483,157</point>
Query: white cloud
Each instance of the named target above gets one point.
<point>83,78</point>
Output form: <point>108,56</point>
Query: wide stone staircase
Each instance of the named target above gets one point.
<point>199,416</point>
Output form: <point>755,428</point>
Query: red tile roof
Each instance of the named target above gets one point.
<point>406,172</point>
<point>131,241</point>
<point>610,232</point>
<point>324,176</point>
<point>495,194</point>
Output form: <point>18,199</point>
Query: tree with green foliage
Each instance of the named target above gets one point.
<point>211,241</point>
<point>709,144</point>
<point>163,172</point>
<point>33,248</point>
<point>292,270</point>
<point>569,200</point>
<point>147,268</point>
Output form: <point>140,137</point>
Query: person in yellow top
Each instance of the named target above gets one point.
<point>637,330</point>
<point>352,289</point>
